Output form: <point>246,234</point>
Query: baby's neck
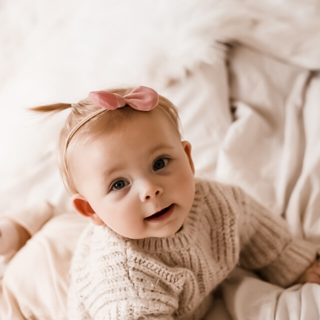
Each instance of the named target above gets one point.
<point>179,229</point>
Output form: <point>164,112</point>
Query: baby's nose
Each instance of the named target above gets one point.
<point>150,191</point>
<point>147,196</point>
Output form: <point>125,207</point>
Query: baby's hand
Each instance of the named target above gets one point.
<point>312,274</point>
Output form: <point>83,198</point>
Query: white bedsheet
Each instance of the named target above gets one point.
<point>272,150</point>
<point>249,298</point>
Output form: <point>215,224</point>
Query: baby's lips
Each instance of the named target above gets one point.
<point>155,212</point>
<point>159,213</point>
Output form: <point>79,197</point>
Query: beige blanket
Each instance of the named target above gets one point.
<point>36,280</point>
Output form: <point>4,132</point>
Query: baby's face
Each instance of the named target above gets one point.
<point>138,180</point>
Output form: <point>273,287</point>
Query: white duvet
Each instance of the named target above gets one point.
<point>272,151</point>
<point>269,145</point>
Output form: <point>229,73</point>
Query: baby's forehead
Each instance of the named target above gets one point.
<point>140,137</point>
<point>122,129</point>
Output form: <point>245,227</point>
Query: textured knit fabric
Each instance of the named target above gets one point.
<point>172,278</point>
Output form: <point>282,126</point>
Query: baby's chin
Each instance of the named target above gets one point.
<point>168,233</point>
<point>164,232</point>
<point>160,234</point>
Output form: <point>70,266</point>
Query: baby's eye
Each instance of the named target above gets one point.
<point>118,185</point>
<point>160,163</point>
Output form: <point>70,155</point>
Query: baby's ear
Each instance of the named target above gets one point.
<point>83,207</point>
<point>187,149</point>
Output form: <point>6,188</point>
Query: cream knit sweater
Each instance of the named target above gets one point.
<point>171,278</point>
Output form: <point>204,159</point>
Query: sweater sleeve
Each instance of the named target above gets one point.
<point>122,308</point>
<point>76,308</point>
<point>128,302</point>
<point>110,282</point>
<point>267,245</point>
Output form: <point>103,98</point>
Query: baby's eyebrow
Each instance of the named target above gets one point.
<point>161,146</point>
<point>110,171</point>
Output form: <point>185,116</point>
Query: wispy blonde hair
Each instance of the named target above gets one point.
<point>94,127</point>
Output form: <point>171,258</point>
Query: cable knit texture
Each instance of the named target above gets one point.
<point>172,278</point>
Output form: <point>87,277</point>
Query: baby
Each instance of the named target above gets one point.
<point>160,240</point>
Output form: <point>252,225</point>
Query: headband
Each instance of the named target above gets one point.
<point>141,98</point>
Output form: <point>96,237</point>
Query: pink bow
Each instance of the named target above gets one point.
<point>141,98</point>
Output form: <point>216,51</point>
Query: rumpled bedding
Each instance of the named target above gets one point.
<point>272,151</point>
<point>249,104</point>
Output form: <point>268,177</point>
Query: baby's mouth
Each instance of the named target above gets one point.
<point>159,213</point>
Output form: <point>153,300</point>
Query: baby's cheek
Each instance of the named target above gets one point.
<point>185,190</point>
<point>125,220</point>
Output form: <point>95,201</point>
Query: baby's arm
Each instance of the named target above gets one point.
<point>267,245</point>
<point>17,227</point>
